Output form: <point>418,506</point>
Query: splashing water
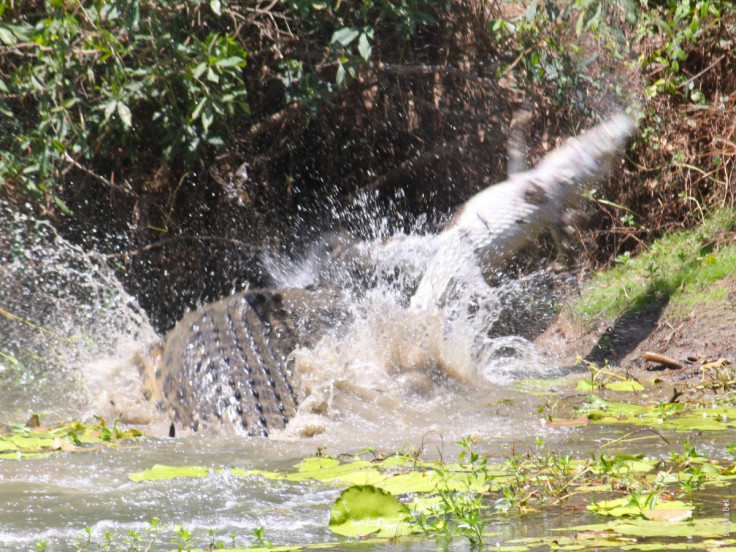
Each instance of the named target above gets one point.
<point>67,327</point>
<point>406,361</point>
<point>449,327</point>
<point>70,335</point>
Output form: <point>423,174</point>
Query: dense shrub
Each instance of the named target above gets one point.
<point>107,85</point>
<point>184,134</point>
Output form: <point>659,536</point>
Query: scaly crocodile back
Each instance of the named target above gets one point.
<point>224,365</point>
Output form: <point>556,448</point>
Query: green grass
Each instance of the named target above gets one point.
<point>679,268</point>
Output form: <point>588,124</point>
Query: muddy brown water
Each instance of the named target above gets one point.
<point>54,499</point>
<point>396,381</point>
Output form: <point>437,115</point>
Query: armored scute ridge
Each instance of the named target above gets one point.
<point>224,366</point>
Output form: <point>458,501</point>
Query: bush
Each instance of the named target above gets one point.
<point>184,134</point>
<point>106,85</point>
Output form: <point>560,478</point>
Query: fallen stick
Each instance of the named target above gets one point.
<point>661,359</point>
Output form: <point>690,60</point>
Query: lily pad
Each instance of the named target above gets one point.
<point>662,416</point>
<point>588,386</point>
<point>625,386</point>
<point>160,472</point>
<point>708,544</point>
<point>367,510</point>
<point>410,482</point>
<point>540,387</point>
<point>674,510</point>
<point>329,469</point>
<point>360,472</point>
<point>696,528</point>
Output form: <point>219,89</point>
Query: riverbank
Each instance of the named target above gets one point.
<point>667,314</point>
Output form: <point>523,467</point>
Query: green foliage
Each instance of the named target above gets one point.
<point>676,25</point>
<point>109,87</point>
<point>260,535</point>
<point>20,441</point>
<point>114,86</point>
<point>131,541</point>
<point>458,512</point>
<point>663,416</point>
<point>456,500</point>
<point>538,476</point>
<point>606,378</point>
<point>644,505</point>
<point>679,268</point>
<point>353,44</point>
<point>539,47</point>
<point>652,36</point>
<point>112,79</point>
<point>367,510</point>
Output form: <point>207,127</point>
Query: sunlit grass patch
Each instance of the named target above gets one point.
<point>539,387</point>
<point>679,268</point>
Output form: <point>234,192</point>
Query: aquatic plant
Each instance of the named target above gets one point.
<point>457,513</point>
<point>401,497</point>
<point>33,440</point>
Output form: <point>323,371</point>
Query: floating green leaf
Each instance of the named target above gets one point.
<point>161,471</point>
<point>539,387</point>
<point>661,416</point>
<point>703,528</point>
<point>33,442</point>
<point>329,469</point>
<point>411,482</point>
<point>674,510</point>
<point>628,385</point>
<point>367,510</point>
<point>587,386</point>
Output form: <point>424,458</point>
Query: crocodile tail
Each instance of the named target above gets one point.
<point>591,153</point>
<point>500,220</point>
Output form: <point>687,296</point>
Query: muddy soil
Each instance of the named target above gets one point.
<point>658,343</point>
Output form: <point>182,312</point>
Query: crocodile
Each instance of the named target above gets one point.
<point>499,221</point>
<point>225,366</point>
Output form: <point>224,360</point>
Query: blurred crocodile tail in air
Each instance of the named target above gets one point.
<point>498,221</point>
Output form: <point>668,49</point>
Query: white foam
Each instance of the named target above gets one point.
<point>70,331</point>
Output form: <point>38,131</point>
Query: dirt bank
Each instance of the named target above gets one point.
<point>653,342</point>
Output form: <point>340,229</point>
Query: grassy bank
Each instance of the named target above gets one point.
<point>679,269</point>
